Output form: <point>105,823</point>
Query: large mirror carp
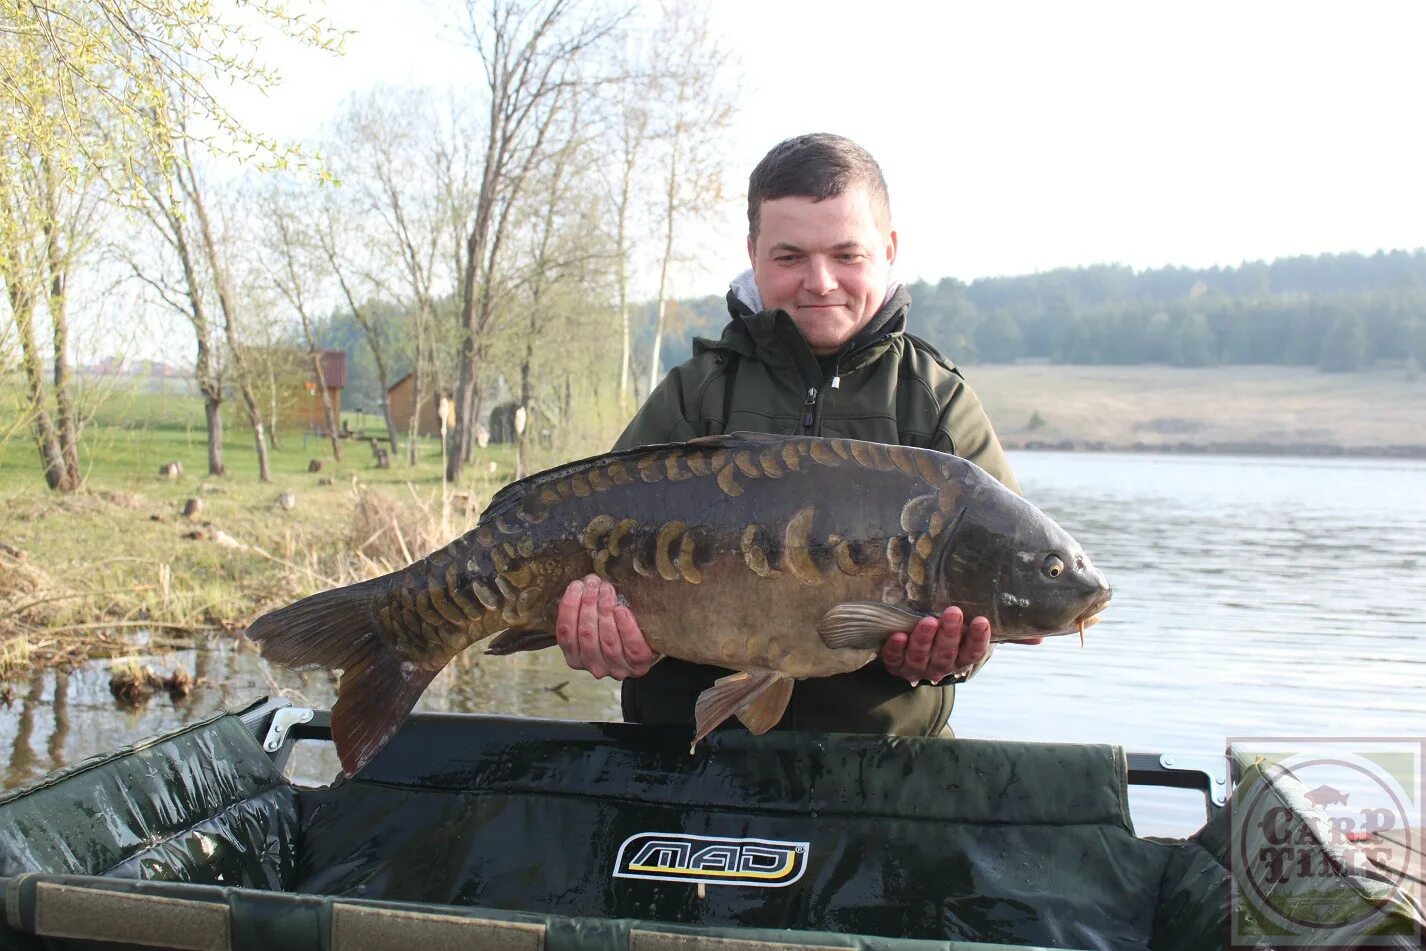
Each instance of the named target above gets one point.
<point>778,557</point>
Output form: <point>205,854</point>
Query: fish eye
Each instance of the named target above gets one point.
<point>1053,567</point>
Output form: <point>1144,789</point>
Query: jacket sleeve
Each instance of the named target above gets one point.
<point>662,417</point>
<point>965,430</point>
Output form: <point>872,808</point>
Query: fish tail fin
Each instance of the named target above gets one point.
<point>373,699</point>
<point>337,630</point>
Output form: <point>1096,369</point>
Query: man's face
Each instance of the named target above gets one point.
<point>826,263</point>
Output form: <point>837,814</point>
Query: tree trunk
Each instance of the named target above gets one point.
<point>522,434</point>
<point>670,210</point>
<point>272,407</point>
<point>328,413</point>
<point>419,382</point>
<point>68,425</point>
<point>51,460</point>
<point>213,410</point>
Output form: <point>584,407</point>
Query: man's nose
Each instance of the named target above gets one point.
<point>818,279</point>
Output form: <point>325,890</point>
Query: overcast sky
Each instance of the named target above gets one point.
<point>1019,137</point>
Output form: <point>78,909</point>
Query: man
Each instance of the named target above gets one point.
<point>817,345</point>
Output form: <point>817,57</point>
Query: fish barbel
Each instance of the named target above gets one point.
<point>778,557</point>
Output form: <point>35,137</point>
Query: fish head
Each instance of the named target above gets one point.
<point>1008,561</point>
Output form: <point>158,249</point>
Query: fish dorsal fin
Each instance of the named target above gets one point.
<point>863,625</point>
<point>511,494</point>
<point>739,438</point>
<point>737,694</point>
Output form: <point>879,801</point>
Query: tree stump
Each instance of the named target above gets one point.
<point>383,459</point>
<point>315,465</point>
<point>287,501</point>
<point>192,507</point>
<point>171,470</point>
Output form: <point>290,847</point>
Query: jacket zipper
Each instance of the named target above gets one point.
<point>812,406</point>
<point>809,411</point>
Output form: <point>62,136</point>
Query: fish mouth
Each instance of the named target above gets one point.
<point>1090,615</point>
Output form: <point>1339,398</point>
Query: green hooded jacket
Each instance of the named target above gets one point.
<point>885,386</point>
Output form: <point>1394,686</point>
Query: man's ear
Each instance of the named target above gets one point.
<point>891,248</point>
<point>752,252</point>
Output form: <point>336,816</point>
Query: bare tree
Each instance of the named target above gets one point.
<point>293,273</point>
<point>189,298</point>
<point>630,133</point>
<point>694,114</point>
<point>530,52</point>
<point>402,158</point>
<point>190,183</point>
<point>334,227</point>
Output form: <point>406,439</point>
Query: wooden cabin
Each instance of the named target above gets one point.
<point>401,397</point>
<point>308,411</point>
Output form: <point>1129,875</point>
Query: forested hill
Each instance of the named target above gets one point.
<point>1333,311</point>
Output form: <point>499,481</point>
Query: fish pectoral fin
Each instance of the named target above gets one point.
<point>767,708</point>
<point>513,641</point>
<point>736,694</point>
<point>863,625</point>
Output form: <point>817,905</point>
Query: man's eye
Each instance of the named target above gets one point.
<point>851,258</point>
<point>785,259</point>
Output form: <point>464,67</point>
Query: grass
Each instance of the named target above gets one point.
<point>80,572</point>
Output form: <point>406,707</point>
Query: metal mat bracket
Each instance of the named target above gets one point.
<point>282,721</point>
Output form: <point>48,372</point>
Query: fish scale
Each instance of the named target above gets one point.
<point>780,557</point>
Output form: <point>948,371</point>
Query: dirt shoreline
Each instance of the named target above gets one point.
<point>1303,450</point>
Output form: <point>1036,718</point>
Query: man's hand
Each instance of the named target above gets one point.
<point>598,633</point>
<point>938,647</point>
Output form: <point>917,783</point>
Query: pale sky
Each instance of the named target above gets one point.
<point>1020,137</point>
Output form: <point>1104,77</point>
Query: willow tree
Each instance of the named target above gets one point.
<point>91,87</point>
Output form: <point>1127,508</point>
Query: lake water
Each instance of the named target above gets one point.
<point>1253,597</point>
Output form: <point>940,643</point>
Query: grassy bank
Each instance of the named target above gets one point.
<point>1270,408</point>
<point>80,573</point>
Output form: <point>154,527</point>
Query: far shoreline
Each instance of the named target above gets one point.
<point>1301,451</point>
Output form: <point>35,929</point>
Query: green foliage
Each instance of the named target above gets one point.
<point>1290,311</point>
<point>1345,346</point>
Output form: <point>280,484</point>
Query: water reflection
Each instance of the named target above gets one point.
<point>1252,597</point>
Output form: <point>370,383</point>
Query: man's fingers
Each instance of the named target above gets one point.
<point>893,652</point>
<point>587,628</point>
<point>637,652</point>
<point>918,648</point>
<point>566,634</point>
<point>610,649</point>
<point>976,643</point>
<point>948,652</point>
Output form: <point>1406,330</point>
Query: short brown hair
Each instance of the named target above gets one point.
<point>816,166</point>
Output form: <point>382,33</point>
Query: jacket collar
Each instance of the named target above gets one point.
<point>772,337</point>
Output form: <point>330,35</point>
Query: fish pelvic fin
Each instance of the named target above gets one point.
<point>863,625</point>
<point>763,713</point>
<point>512,642</point>
<point>336,630</point>
<point>755,697</point>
